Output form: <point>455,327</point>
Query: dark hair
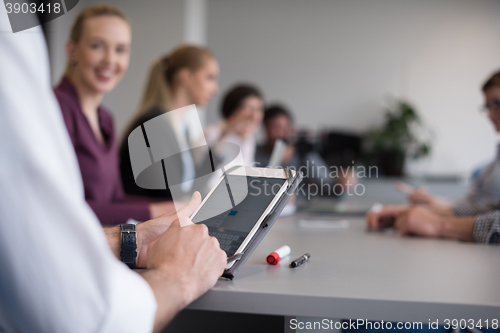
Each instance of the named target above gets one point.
<point>276,110</point>
<point>493,81</point>
<point>235,96</point>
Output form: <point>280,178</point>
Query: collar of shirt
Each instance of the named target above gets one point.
<point>105,119</point>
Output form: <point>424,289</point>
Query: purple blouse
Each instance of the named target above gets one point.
<point>98,163</point>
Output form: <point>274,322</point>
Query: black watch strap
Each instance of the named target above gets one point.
<point>129,244</point>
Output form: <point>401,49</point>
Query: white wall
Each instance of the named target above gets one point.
<point>195,22</point>
<point>336,62</point>
<point>58,33</point>
<point>333,62</point>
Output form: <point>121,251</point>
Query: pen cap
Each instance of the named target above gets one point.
<point>275,257</point>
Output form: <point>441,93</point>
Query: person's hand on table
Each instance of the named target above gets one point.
<point>415,220</point>
<point>419,220</point>
<point>385,218</point>
<point>150,230</point>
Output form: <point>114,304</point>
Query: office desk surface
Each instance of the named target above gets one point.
<point>353,273</point>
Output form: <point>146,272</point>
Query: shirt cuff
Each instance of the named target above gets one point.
<point>487,228</point>
<point>471,208</point>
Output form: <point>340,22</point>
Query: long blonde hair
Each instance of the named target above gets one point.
<point>77,28</point>
<point>161,83</point>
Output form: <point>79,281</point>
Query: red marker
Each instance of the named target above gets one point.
<point>275,257</point>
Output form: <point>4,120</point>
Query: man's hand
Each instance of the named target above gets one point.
<point>419,220</point>
<point>190,258</point>
<point>182,264</point>
<point>423,221</point>
<point>148,231</point>
<point>420,196</point>
<point>415,220</point>
<point>384,218</point>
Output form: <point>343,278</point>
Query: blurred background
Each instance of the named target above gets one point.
<point>337,64</point>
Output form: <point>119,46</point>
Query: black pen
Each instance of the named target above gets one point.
<point>299,261</point>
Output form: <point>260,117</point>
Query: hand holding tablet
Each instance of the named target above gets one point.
<point>242,207</point>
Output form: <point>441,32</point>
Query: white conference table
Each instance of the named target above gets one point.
<point>355,274</point>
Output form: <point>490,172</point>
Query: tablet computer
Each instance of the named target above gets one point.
<point>235,209</point>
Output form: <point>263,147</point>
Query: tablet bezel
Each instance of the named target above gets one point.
<point>253,172</point>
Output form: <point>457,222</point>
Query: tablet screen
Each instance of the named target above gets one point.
<point>232,226</point>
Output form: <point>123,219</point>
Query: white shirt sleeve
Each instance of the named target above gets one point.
<point>57,272</point>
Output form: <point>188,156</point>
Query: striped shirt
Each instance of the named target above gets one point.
<point>487,219</point>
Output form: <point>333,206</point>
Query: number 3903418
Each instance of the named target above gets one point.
<point>470,323</point>
<point>32,8</point>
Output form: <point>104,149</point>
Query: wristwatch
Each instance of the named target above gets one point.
<point>129,244</point>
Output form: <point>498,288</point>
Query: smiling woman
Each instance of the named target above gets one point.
<point>99,42</point>
<point>98,54</point>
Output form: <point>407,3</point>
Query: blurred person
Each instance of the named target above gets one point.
<point>484,192</point>
<point>278,124</point>
<point>476,218</point>
<point>60,271</point>
<point>242,111</point>
<point>98,52</point>
<point>421,221</point>
<point>186,76</point>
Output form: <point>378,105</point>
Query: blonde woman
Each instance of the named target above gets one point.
<point>98,53</point>
<point>188,75</point>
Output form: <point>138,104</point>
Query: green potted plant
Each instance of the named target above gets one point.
<point>401,136</point>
